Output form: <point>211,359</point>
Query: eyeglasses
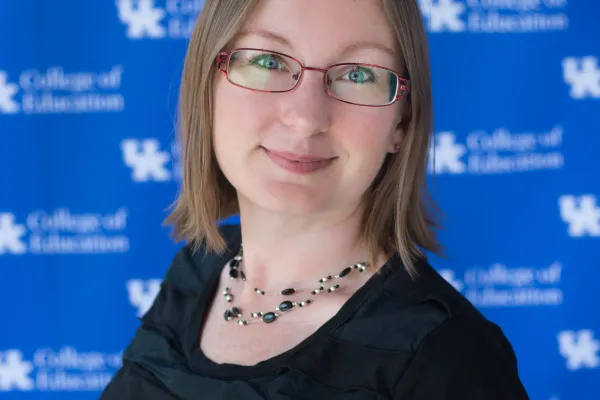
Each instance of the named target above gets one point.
<point>273,72</point>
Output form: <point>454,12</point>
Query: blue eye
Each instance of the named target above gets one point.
<point>268,61</point>
<point>360,74</point>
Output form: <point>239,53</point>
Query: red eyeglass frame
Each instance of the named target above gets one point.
<point>402,90</point>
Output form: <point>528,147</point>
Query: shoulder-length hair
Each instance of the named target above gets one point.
<point>399,205</point>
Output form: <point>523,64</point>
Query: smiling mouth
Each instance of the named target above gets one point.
<point>298,163</point>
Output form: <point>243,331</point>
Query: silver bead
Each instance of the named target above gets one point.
<point>333,288</point>
<point>319,290</point>
<point>228,298</point>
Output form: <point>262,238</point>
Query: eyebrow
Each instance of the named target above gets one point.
<point>347,49</point>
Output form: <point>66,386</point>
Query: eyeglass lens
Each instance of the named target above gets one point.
<point>270,72</point>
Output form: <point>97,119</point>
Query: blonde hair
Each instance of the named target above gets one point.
<point>399,206</point>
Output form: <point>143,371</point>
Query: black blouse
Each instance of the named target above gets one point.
<point>395,338</point>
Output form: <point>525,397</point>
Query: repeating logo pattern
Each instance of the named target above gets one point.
<point>498,152</point>
<point>11,235</point>
<point>8,90</point>
<point>64,232</point>
<point>143,20</point>
<point>583,76</point>
<point>141,294</point>
<point>65,370</point>
<point>499,285</point>
<point>150,19</point>
<point>14,371</point>
<point>56,91</point>
<point>580,349</point>
<point>148,163</point>
<point>582,215</point>
<point>495,16</point>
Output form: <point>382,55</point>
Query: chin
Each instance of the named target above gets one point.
<point>288,198</point>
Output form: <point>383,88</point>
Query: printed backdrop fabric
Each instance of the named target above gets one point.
<point>89,165</point>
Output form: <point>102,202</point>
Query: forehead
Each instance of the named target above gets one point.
<point>318,29</point>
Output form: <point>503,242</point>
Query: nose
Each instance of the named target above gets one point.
<point>306,108</point>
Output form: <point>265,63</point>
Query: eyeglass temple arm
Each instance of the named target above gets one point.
<point>404,87</point>
<point>221,58</point>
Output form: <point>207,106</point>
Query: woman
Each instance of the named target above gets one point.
<point>312,120</point>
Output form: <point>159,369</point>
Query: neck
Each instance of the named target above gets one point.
<point>280,251</point>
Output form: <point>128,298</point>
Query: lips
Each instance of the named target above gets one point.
<point>297,157</point>
<point>298,163</point>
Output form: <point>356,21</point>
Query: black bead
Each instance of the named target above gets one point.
<point>286,306</point>
<point>234,263</point>
<point>236,311</point>
<point>304,303</point>
<point>345,272</point>
<point>243,275</point>
<point>331,289</point>
<point>233,273</point>
<point>288,292</point>
<point>269,317</point>
<point>228,315</point>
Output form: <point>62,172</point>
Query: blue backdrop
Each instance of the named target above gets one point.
<point>88,165</point>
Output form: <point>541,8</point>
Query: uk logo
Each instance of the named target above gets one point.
<point>443,15</point>
<point>501,17</point>
<point>142,18</point>
<point>446,155</point>
<point>580,349</point>
<point>142,294</point>
<point>8,90</point>
<point>11,235</point>
<point>583,75</point>
<point>147,161</point>
<point>14,372</point>
<point>581,213</point>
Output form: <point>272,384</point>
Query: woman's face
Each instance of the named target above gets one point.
<point>303,151</point>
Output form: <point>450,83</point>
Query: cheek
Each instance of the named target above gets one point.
<point>238,115</point>
<point>366,139</point>
<point>239,118</point>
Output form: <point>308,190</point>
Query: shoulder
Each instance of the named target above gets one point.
<point>411,307</point>
<point>428,287</point>
<point>421,338</point>
<point>467,358</point>
<point>451,342</point>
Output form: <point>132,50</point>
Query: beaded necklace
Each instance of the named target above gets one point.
<point>237,273</point>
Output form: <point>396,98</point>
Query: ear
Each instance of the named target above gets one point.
<point>396,137</point>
